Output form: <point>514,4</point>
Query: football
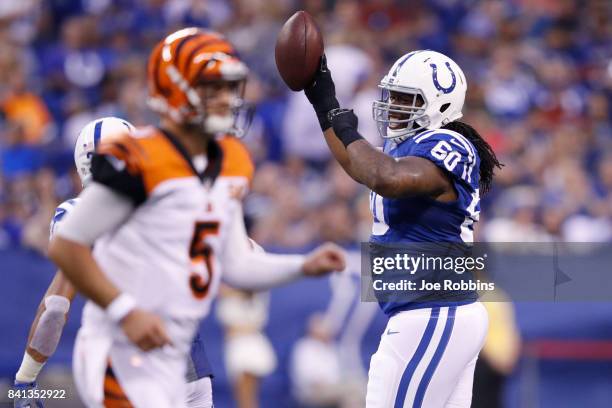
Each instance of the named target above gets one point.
<point>299,47</point>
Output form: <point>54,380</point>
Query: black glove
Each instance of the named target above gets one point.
<point>322,94</point>
<point>344,122</point>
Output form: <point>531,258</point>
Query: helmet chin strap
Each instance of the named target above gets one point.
<point>399,135</point>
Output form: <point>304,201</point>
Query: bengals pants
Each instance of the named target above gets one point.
<point>117,374</point>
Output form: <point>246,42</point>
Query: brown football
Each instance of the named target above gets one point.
<point>299,47</point>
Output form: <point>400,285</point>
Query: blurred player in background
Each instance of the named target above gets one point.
<point>248,353</point>
<point>51,316</point>
<point>426,186</point>
<point>162,234</point>
<point>335,336</point>
<point>52,312</point>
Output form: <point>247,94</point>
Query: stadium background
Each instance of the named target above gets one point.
<point>540,82</point>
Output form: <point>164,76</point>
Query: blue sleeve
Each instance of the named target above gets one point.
<point>452,153</point>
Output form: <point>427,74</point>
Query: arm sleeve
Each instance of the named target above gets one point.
<point>452,153</point>
<point>100,210</point>
<point>116,165</point>
<point>247,269</point>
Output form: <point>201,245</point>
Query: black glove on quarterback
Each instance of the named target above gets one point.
<point>344,122</point>
<point>322,94</point>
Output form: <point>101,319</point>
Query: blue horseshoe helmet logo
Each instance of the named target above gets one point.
<point>434,76</point>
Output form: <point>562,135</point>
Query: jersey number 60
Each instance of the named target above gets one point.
<point>201,251</point>
<point>444,151</point>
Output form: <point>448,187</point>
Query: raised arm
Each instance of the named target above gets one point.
<point>383,174</point>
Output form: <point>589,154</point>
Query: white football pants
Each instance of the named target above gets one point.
<point>426,358</point>
<point>108,372</point>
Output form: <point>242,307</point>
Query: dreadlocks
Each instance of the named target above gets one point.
<point>488,159</point>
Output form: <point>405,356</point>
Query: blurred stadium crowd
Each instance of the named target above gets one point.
<point>539,89</point>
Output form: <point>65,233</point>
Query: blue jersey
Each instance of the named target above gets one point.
<point>198,364</point>
<point>423,219</point>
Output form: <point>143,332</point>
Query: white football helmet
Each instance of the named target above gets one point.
<point>422,90</point>
<point>90,137</point>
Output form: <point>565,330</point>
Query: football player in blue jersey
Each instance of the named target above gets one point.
<point>426,185</point>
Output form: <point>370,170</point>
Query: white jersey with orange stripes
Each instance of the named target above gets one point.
<point>167,255</point>
<point>174,241</point>
<point>158,257</point>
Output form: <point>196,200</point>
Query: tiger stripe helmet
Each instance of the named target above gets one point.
<point>182,60</point>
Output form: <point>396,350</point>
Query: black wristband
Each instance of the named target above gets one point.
<point>348,136</point>
<point>322,115</point>
<point>345,123</point>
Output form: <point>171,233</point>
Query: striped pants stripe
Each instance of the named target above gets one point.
<point>426,358</point>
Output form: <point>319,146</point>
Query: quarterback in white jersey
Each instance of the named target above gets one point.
<point>50,318</point>
<point>152,274</point>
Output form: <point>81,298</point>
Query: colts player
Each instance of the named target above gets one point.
<point>426,186</point>
<point>157,260</point>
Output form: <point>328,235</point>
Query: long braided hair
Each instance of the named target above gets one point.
<point>488,159</point>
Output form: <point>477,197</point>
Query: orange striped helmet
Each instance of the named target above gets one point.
<point>183,60</point>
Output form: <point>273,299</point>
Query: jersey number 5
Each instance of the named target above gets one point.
<point>201,251</point>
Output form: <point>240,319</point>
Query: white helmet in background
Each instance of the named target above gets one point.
<point>89,139</point>
<point>423,90</point>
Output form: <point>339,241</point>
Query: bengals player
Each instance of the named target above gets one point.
<point>48,325</point>
<point>156,264</point>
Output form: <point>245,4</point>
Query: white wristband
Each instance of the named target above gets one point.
<point>120,307</point>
